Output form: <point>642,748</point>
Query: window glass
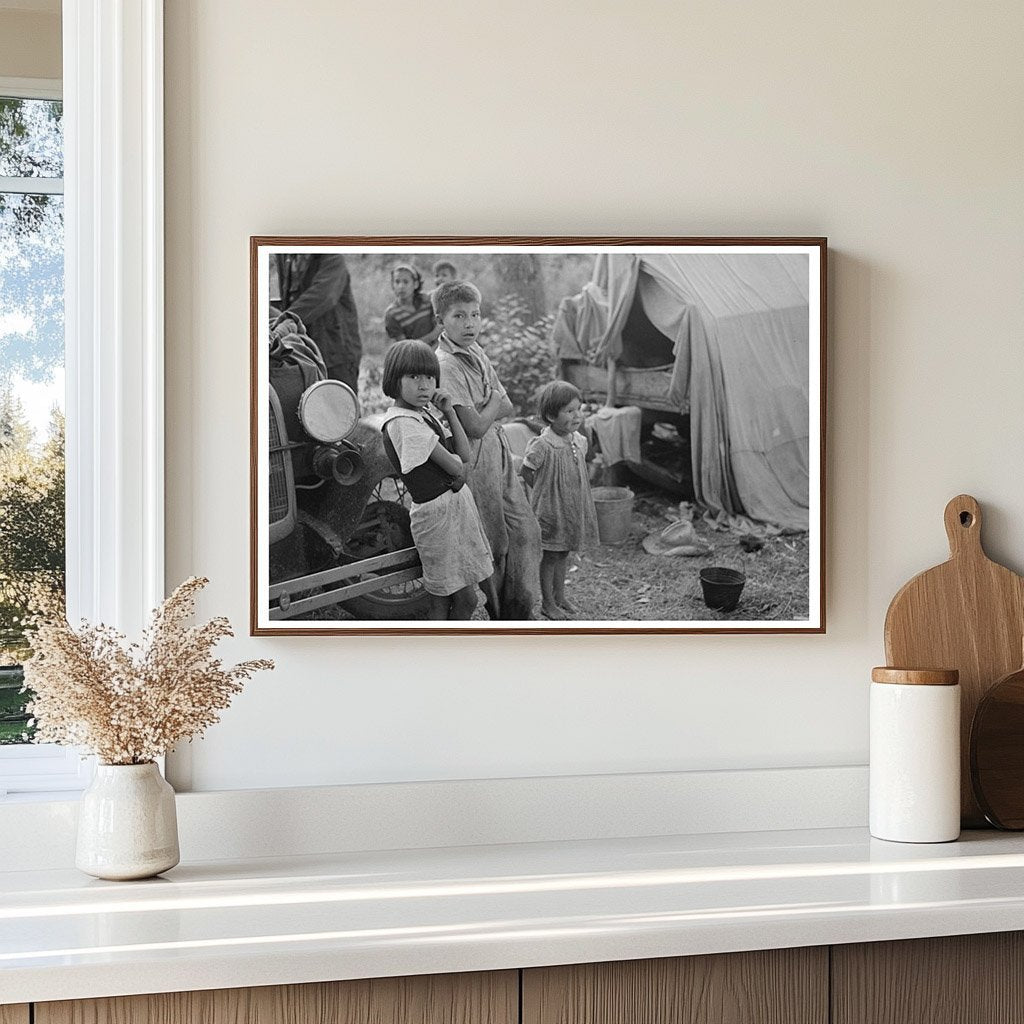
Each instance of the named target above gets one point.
<point>31,138</point>
<point>31,386</point>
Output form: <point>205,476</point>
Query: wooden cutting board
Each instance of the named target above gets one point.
<point>967,614</point>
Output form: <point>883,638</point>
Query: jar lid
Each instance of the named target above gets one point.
<point>916,676</point>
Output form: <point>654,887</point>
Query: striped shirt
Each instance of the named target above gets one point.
<point>409,323</point>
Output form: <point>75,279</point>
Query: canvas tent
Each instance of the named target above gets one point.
<point>731,333</point>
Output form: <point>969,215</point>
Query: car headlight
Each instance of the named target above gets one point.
<point>328,411</point>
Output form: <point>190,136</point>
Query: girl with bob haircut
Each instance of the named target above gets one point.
<point>431,455</point>
<point>555,469</point>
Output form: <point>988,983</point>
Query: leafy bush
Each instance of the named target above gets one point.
<point>523,354</point>
<point>371,397</point>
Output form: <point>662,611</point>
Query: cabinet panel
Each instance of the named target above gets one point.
<point>777,986</point>
<point>14,1014</point>
<point>961,979</point>
<point>480,998</point>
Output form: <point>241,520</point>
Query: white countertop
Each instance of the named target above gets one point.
<point>224,924</point>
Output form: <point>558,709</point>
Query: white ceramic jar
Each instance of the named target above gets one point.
<point>127,824</point>
<point>915,755</point>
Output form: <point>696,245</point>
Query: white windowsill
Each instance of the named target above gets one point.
<point>241,824</point>
<point>42,771</point>
<point>49,797</point>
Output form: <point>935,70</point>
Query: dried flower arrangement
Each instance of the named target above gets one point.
<point>129,704</point>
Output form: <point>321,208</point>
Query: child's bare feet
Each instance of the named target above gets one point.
<point>567,606</point>
<point>552,611</point>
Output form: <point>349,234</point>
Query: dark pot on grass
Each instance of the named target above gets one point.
<point>722,587</point>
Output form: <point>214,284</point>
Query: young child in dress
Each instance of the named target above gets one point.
<point>431,460</point>
<point>555,469</point>
<point>480,403</point>
<point>410,316</point>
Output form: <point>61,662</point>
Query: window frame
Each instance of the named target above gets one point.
<point>112,90</point>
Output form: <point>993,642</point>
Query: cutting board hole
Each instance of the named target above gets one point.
<point>966,519</point>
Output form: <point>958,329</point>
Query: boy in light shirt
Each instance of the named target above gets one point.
<point>480,401</point>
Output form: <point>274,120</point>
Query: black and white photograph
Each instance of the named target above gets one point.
<point>542,435</point>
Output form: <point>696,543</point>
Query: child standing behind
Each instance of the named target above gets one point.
<point>444,271</point>
<point>432,463</point>
<point>555,469</point>
<point>410,315</point>
<point>480,401</point>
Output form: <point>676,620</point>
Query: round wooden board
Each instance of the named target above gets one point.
<point>997,752</point>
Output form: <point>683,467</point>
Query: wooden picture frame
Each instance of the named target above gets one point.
<point>701,367</point>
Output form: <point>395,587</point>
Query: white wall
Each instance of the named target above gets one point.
<point>894,129</point>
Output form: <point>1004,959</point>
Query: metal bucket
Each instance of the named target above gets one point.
<point>614,513</point>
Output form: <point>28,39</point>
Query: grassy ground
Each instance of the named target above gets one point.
<point>12,732</point>
<point>625,582</point>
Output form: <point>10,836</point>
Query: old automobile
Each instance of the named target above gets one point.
<point>338,516</point>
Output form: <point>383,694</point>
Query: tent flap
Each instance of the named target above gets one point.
<point>738,327</point>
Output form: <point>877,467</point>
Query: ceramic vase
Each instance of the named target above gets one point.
<point>127,825</point>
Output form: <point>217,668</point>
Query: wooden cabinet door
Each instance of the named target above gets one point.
<point>959,979</point>
<point>14,1014</point>
<point>776,986</point>
<point>481,998</point>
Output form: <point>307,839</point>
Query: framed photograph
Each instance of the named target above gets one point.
<point>537,435</point>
